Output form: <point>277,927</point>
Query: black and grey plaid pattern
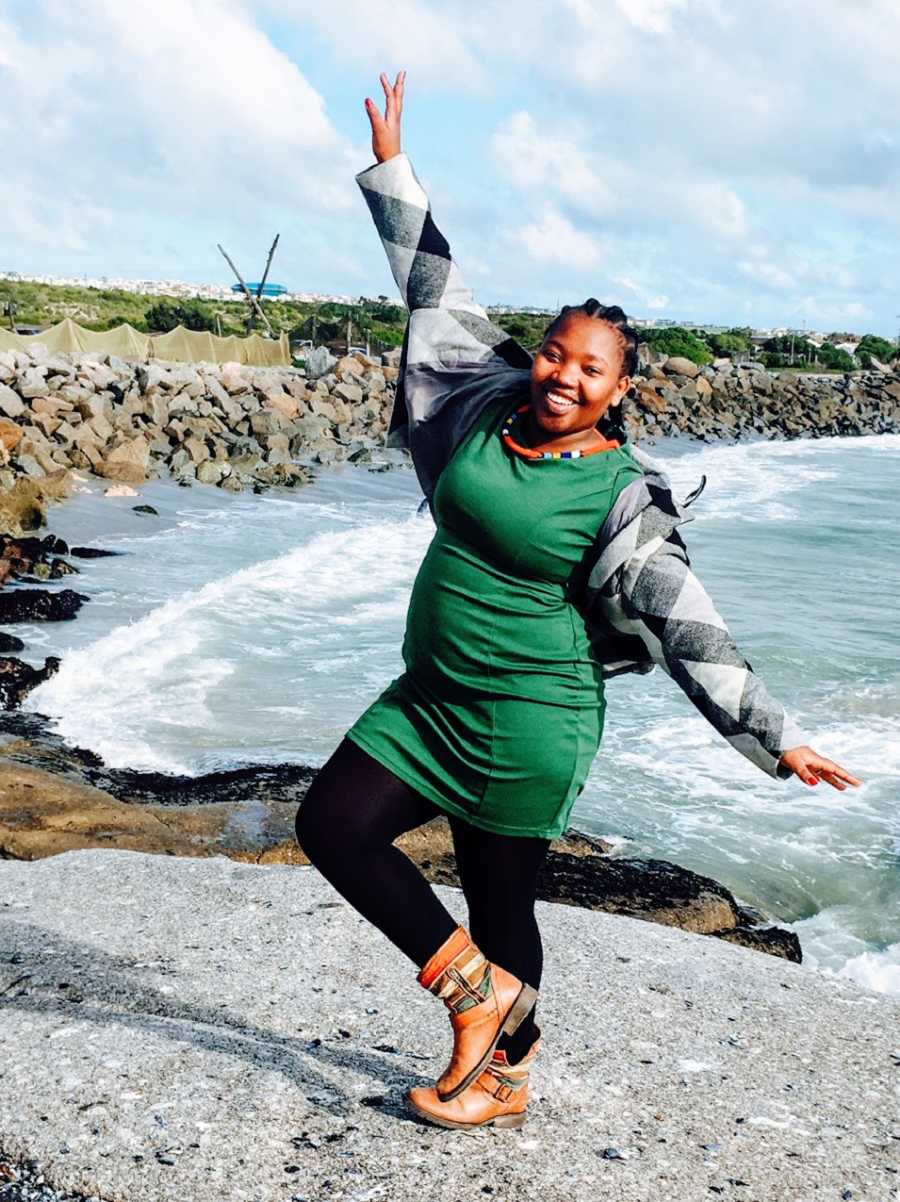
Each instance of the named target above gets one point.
<point>642,589</point>
<point>643,605</point>
<point>447,326</point>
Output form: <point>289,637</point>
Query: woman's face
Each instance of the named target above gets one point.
<point>575,377</point>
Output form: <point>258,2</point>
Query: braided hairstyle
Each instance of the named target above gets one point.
<point>612,423</point>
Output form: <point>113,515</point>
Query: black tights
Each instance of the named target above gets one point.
<point>347,824</point>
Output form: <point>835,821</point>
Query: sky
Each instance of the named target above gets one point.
<point>723,161</point>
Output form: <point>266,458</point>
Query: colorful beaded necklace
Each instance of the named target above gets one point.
<point>609,444</point>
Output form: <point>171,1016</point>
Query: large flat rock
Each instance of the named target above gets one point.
<point>196,1030</point>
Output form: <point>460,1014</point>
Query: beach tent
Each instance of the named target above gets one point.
<point>178,346</point>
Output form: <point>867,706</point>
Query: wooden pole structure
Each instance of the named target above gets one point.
<point>251,299</point>
<point>262,282</point>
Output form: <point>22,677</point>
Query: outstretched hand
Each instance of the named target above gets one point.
<point>812,767</point>
<point>386,129</point>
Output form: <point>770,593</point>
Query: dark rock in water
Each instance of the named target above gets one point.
<point>9,642</point>
<point>39,605</point>
<point>774,940</point>
<point>145,509</point>
<point>270,782</point>
<point>17,679</point>
<point>642,888</point>
<point>92,552</point>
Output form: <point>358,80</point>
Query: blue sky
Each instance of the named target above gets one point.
<point>710,160</point>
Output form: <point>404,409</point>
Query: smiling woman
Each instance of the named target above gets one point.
<point>580,377</point>
<point>552,567</point>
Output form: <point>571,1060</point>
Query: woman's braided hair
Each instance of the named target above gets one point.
<point>612,423</point>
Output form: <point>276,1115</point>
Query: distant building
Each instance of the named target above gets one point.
<point>269,290</point>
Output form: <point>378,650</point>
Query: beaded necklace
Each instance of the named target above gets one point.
<point>609,444</point>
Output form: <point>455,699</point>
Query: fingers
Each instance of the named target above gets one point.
<point>833,774</point>
<point>398,90</point>
<point>393,96</point>
<point>373,113</point>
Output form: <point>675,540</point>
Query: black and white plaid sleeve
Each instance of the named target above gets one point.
<point>661,600</point>
<point>447,326</point>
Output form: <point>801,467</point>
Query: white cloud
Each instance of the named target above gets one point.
<point>651,16</point>
<point>431,41</point>
<point>552,240</point>
<point>181,109</point>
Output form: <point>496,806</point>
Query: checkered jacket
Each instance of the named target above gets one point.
<point>641,602</point>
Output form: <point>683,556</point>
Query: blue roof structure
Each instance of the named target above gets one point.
<point>267,289</point>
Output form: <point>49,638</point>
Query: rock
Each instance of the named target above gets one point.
<point>127,462</point>
<point>9,642</point>
<point>351,393</point>
<point>677,365</point>
<point>774,940</point>
<point>282,402</point>
<point>120,490</point>
<point>197,449</point>
<point>97,552</point>
<point>233,380</point>
<point>10,434</point>
<point>268,421</point>
<point>39,605</point>
<point>23,507</point>
<point>17,679</point>
<point>319,361</point>
<point>139,1027</point>
<point>11,404</point>
<point>209,472</point>
<point>33,383</point>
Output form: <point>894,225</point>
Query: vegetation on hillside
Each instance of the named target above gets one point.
<point>381,322</point>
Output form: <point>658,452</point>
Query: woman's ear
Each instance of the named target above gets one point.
<point>624,385</point>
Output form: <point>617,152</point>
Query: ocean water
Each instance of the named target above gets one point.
<point>239,629</point>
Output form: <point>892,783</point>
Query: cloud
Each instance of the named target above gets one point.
<point>435,43</point>
<point>717,158</point>
<point>552,240</point>
<point>184,112</point>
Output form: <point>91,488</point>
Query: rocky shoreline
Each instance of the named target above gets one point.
<point>244,427</point>
<point>54,799</point>
<point>238,427</point>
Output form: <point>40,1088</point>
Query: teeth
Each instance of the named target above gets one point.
<point>558,401</point>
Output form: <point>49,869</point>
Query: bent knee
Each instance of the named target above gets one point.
<point>326,832</point>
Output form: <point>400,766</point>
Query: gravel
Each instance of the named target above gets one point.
<point>196,1030</point>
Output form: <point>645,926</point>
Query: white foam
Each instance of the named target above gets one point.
<point>170,668</point>
<point>752,481</point>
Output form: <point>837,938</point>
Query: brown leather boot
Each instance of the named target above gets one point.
<point>498,1098</point>
<point>485,1002</point>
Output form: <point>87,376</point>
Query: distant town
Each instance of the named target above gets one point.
<point>224,292</point>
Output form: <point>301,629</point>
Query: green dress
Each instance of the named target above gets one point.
<point>500,711</point>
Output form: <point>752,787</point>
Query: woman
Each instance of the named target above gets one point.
<point>556,563</point>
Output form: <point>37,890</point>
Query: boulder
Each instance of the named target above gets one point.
<point>33,383</point>
<point>127,462</point>
<point>39,605</point>
<point>678,365</point>
<point>210,472</point>
<point>10,434</point>
<point>282,402</point>
<point>11,404</point>
<point>17,679</point>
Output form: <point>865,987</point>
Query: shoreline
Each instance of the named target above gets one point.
<point>55,799</point>
<point>243,816</point>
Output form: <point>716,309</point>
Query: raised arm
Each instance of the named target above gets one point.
<point>447,325</point>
